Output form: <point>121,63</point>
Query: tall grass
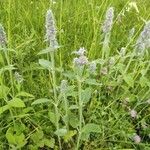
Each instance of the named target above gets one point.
<point>91,91</point>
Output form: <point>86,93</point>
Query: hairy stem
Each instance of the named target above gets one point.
<point>80,114</point>
<point>55,94</point>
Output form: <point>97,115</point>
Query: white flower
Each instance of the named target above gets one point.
<point>133,113</point>
<point>137,139</point>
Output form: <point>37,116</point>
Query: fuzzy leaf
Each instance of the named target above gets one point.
<point>41,101</point>
<point>61,132</point>
<point>86,95</point>
<point>92,82</point>
<point>45,64</point>
<point>143,81</point>
<point>45,51</point>
<point>91,127</point>
<point>129,80</point>
<point>49,142</point>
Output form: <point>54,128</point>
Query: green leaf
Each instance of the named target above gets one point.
<point>41,101</point>
<point>73,107</point>
<point>92,82</point>
<point>52,117</point>
<point>69,75</point>
<point>86,95</point>
<point>49,142</point>
<point>24,94</point>
<point>20,140</point>
<point>45,64</point>
<point>45,51</point>
<point>37,136</point>
<point>16,102</point>
<point>129,80</point>
<point>69,135</point>
<point>91,127</point>
<point>73,120</point>
<point>4,90</point>
<point>10,136</point>
<point>61,132</point>
<point>3,108</point>
<point>143,81</point>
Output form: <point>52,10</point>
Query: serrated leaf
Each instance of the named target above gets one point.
<point>91,127</point>
<point>129,80</point>
<point>37,136</point>
<point>45,64</point>
<point>61,132</point>
<point>73,120</point>
<point>143,81</point>
<point>52,117</point>
<point>3,108</point>
<point>41,101</point>
<point>16,102</point>
<point>92,82</point>
<point>49,142</point>
<point>69,75</point>
<point>86,95</point>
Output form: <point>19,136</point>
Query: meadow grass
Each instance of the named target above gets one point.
<point>49,101</point>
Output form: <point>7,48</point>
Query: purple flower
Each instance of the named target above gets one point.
<point>3,39</point>
<point>107,26</point>
<point>51,30</point>
<point>80,52</point>
<point>81,61</point>
<point>142,42</point>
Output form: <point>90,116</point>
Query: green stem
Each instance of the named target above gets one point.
<point>10,72</point>
<point>80,114</point>
<point>55,94</point>
<point>66,109</point>
<point>11,113</point>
